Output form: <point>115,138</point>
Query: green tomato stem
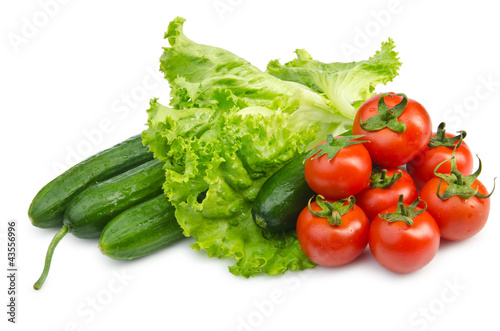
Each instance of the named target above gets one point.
<point>386,118</point>
<point>333,212</point>
<point>333,145</point>
<point>379,178</point>
<point>442,140</point>
<point>403,213</point>
<point>458,184</point>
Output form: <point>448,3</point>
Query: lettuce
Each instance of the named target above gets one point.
<point>345,85</point>
<point>229,126</point>
<point>226,162</point>
<point>195,71</point>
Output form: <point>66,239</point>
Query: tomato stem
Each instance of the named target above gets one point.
<point>386,118</point>
<point>458,184</point>
<point>379,178</point>
<point>332,211</point>
<point>404,213</point>
<point>442,140</point>
<point>333,145</point>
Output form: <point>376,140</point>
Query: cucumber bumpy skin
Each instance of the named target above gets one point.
<point>282,197</point>
<point>47,208</point>
<point>92,209</point>
<point>141,230</point>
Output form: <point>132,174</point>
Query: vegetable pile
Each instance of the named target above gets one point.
<point>238,154</point>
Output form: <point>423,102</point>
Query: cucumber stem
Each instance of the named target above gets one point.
<point>48,258</point>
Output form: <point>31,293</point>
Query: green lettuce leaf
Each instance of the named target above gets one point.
<point>346,85</point>
<point>227,162</point>
<point>195,71</point>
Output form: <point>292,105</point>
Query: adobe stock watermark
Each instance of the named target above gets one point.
<point>33,24</point>
<point>266,307</point>
<point>430,312</point>
<point>456,114</point>
<point>93,305</point>
<point>364,35</point>
<point>121,109</point>
<point>223,7</point>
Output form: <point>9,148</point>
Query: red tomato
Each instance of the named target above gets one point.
<point>332,245</point>
<point>421,168</point>
<point>404,248</point>
<point>387,147</point>
<point>458,218</point>
<point>374,200</point>
<point>346,174</point>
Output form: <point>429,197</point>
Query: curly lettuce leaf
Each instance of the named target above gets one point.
<point>196,71</point>
<point>227,162</point>
<point>344,84</point>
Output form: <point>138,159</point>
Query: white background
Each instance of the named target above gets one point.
<point>79,80</point>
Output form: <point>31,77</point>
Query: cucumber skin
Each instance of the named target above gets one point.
<point>87,215</point>
<point>47,208</point>
<point>282,197</point>
<point>141,230</point>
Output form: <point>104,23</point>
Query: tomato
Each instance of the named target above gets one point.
<point>458,218</point>
<point>422,167</point>
<point>400,247</point>
<point>332,245</point>
<point>345,173</point>
<point>378,198</point>
<point>396,127</point>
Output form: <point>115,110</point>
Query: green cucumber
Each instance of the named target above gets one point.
<point>282,197</point>
<point>141,230</point>
<point>47,208</point>
<point>89,212</point>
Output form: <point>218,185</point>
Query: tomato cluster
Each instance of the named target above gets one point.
<point>366,197</point>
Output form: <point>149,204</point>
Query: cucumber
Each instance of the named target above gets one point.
<point>282,197</point>
<point>89,212</point>
<point>47,208</point>
<point>141,230</point>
